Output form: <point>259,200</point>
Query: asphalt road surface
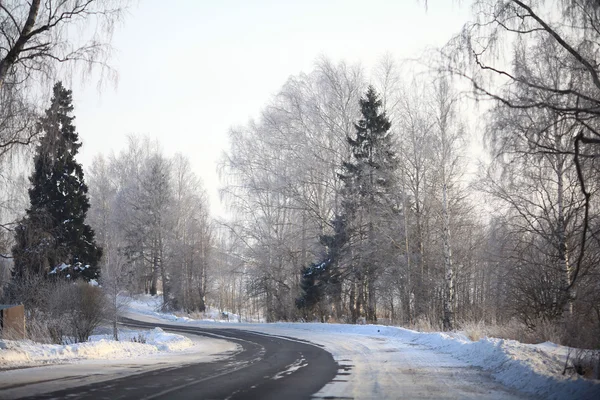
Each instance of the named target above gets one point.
<point>268,367</point>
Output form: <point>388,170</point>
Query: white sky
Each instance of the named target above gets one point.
<point>191,69</point>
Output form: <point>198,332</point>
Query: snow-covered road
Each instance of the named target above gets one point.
<point>383,368</point>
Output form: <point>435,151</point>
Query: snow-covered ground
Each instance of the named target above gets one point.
<point>386,362</point>
<point>150,305</point>
<point>27,353</point>
<point>28,368</point>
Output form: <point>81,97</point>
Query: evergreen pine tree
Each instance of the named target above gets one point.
<point>369,185</point>
<point>53,238</point>
<point>370,173</point>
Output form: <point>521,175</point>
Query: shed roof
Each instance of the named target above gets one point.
<point>5,306</point>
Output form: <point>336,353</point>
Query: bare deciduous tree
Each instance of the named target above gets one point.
<point>36,35</point>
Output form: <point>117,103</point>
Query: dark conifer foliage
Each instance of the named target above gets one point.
<point>53,237</point>
<point>322,279</point>
<point>374,162</point>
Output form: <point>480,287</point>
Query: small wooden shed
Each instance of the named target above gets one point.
<point>12,321</point>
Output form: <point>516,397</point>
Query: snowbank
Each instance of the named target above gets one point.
<point>24,353</point>
<point>150,306</point>
<point>535,369</point>
<point>532,369</point>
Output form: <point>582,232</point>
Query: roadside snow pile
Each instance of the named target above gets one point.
<point>163,341</point>
<point>132,343</point>
<point>535,369</point>
<point>146,304</point>
<point>213,314</point>
<point>143,304</point>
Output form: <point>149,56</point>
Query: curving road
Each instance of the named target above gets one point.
<point>267,367</point>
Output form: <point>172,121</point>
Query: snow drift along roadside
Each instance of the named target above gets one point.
<point>23,353</point>
<point>145,304</point>
<point>535,369</point>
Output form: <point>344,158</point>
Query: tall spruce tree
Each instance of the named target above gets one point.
<point>372,169</point>
<point>369,183</point>
<point>52,238</point>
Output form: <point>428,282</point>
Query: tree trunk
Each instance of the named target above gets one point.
<point>167,300</point>
<point>202,294</point>
<point>154,278</point>
<point>563,257</point>
<point>371,297</point>
<point>115,299</point>
<point>409,289</point>
<point>360,297</point>
<point>449,273</point>
<point>13,54</point>
<point>352,303</point>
